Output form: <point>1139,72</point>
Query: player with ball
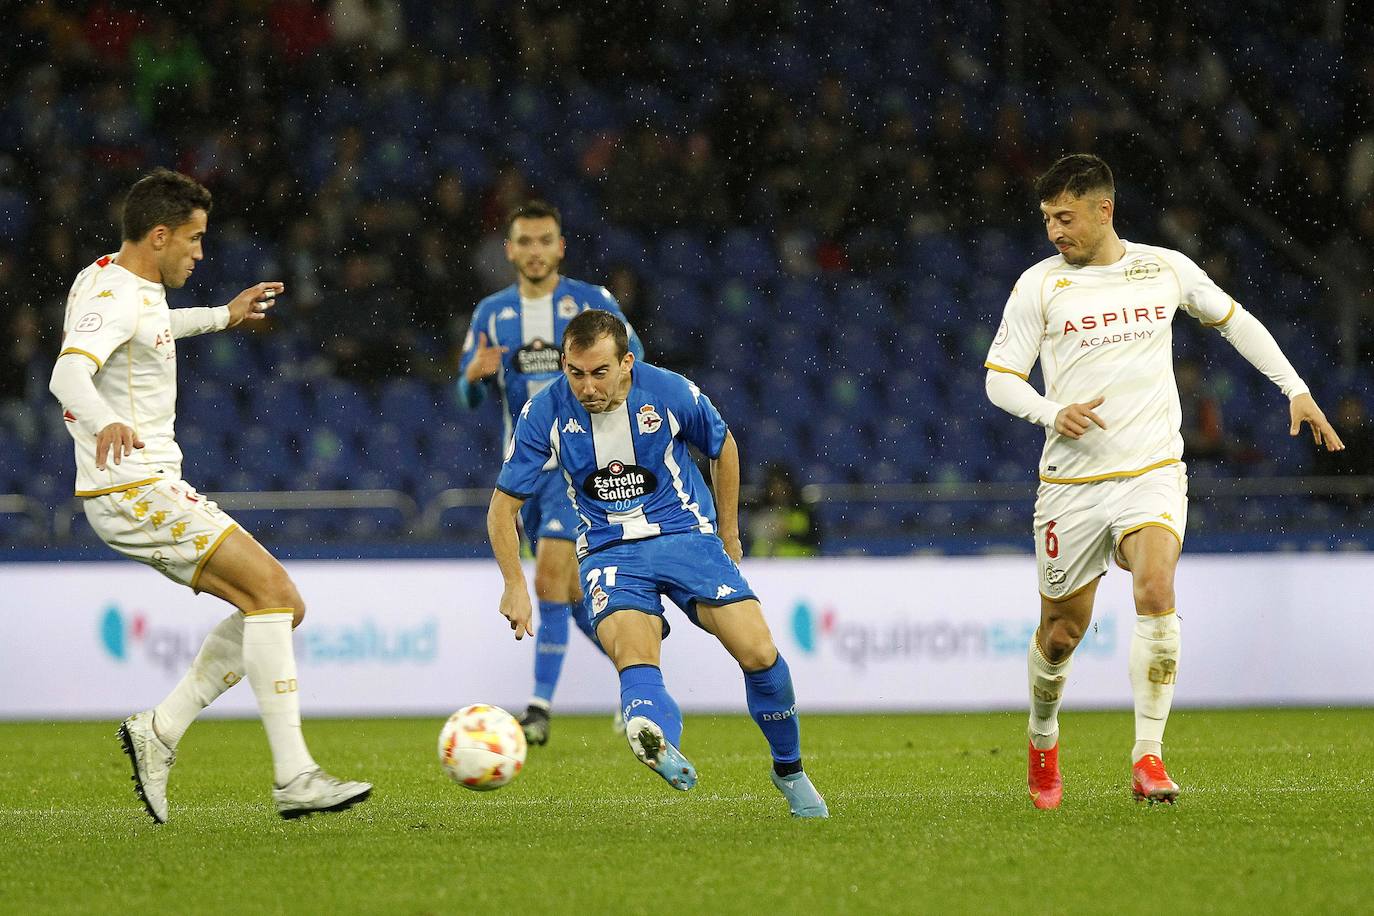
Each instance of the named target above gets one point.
<point>619,431</point>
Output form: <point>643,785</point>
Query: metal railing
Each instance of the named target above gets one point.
<point>425,522</point>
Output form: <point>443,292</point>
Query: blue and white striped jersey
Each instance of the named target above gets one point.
<point>531,330</point>
<point>629,470</point>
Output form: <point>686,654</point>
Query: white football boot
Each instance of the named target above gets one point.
<point>315,791</point>
<point>152,762</point>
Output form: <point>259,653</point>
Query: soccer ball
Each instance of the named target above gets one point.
<point>482,747</point>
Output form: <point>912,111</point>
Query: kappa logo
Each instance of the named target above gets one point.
<point>105,294</point>
<point>724,590</point>
<point>507,312</point>
<point>554,525</point>
<point>1063,283</point>
<point>572,426</point>
<point>567,307</point>
<point>648,420</point>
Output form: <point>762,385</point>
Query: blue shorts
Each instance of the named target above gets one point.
<point>549,513</point>
<point>687,568</point>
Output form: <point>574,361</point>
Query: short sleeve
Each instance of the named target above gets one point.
<point>699,422</point>
<point>1200,296</point>
<point>98,325</point>
<point>529,450</point>
<point>1016,346</point>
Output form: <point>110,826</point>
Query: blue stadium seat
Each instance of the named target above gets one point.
<point>745,253</point>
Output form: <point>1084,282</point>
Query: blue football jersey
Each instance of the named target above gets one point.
<point>629,470</point>
<point>531,330</point>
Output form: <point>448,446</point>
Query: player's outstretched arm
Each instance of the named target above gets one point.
<point>505,546</point>
<point>725,482</point>
<point>1303,409</point>
<point>252,304</point>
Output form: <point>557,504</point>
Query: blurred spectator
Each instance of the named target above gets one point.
<point>1352,423</point>
<point>21,349</point>
<point>1204,435</point>
<point>781,524</point>
<point>360,329</point>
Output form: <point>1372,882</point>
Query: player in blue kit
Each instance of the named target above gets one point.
<point>618,432</point>
<point>512,347</point>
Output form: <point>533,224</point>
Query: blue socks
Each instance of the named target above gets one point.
<point>550,645</point>
<point>582,616</point>
<point>773,704</point>
<point>642,694</point>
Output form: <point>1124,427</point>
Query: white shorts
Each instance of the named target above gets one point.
<point>1079,526</point>
<point>167,525</point>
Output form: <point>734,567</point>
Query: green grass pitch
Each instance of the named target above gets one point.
<point>929,814</point>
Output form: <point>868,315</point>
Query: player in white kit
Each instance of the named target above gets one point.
<point>1112,482</point>
<point>116,381</point>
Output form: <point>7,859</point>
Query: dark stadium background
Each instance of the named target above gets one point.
<point>816,210</point>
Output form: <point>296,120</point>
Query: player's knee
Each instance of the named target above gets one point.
<point>277,590</point>
<point>756,655</point>
<point>549,585</point>
<point>1060,639</point>
<point>1154,592</point>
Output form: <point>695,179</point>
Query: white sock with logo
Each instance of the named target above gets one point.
<point>1046,693</point>
<point>270,662</point>
<point>217,667</point>
<point>1154,666</point>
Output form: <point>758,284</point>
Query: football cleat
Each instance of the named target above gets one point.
<point>316,792</point>
<point>152,762</point>
<point>1046,785</point>
<point>801,795</point>
<point>1151,783</point>
<point>655,752</point>
<point>535,722</point>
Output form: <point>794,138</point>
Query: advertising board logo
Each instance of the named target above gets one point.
<point>130,636</point>
<point>923,638</point>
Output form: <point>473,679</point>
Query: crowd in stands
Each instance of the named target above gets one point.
<point>816,209</point>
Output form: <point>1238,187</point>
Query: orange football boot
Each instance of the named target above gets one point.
<point>1150,782</point>
<point>1046,785</point>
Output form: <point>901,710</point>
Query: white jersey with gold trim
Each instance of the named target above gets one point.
<point>121,322</point>
<point>1107,330</point>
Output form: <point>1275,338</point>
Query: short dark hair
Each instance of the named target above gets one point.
<point>1079,174</point>
<point>162,198</point>
<point>592,325</point>
<point>534,209</point>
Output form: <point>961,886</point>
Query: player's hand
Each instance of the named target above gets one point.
<point>1302,409</point>
<point>515,607</point>
<point>1076,419</point>
<point>734,549</point>
<point>252,304</point>
<point>485,360</point>
<point>115,441</point>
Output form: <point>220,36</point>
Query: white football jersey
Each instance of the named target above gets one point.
<point>1108,331</point>
<point>121,322</point>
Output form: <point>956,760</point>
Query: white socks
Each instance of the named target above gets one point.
<point>217,667</point>
<point>1046,693</point>
<point>270,662</point>
<point>1154,666</point>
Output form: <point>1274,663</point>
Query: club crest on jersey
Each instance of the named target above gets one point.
<point>567,307</point>
<point>538,357</point>
<point>648,420</point>
<point>1142,270</point>
<point>619,482</point>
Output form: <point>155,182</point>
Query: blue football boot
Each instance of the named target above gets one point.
<point>655,752</point>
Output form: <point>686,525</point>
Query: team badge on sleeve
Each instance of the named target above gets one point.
<point>648,420</point>
<point>90,321</point>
